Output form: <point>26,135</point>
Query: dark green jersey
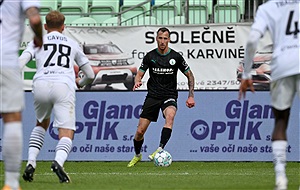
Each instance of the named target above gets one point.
<point>163,70</point>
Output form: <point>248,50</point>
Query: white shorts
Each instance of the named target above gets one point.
<point>58,97</point>
<point>11,91</point>
<point>283,91</point>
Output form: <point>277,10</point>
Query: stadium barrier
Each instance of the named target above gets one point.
<point>219,128</point>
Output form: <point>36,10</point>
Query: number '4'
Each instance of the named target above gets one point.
<point>1,1</point>
<point>289,25</point>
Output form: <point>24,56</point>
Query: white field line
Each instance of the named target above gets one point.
<point>159,174</point>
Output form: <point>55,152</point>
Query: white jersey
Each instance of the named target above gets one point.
<point>281,18</point>
<point>55,60</point>
<point>12,19</point>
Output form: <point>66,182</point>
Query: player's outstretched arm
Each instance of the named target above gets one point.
<point>138,80</point>
<point>35,22</point>
<point>251,46</point>
<point>88,78</point>
<point>24,58</point>
<point>191,83</point>
<point>245,84</point>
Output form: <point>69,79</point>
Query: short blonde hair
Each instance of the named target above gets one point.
<point>55,19</point>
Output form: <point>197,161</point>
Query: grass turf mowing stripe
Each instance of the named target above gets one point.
<point>179,176</point>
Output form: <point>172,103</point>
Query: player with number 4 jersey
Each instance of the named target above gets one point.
<point>281,19</point>
<point>284,30</point>
<point>12,21</point>
<point>54,87</point>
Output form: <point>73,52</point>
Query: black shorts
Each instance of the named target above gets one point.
<point>150,109</point>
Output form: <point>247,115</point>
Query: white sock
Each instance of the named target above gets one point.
<point>12,179</point>
<point>279,155</point>
<point>12,144</point>
<point>62,150</point>
<point>36,142</point>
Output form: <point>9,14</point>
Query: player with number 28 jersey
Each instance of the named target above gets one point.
<point>54,87</point>
<point>54,60</point>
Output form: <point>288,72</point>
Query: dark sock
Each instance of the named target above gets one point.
<point>138,146</point>
<point>165,136</point>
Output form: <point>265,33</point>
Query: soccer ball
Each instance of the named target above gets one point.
<point>162,158</point>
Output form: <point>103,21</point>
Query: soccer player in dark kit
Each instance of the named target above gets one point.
<point>163,64</point>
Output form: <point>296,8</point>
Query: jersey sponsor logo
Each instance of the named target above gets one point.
<point>172,61</point>
<point>163,70</point>
<point>46,72</point>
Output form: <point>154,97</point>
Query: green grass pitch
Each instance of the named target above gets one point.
<point>144,176</point>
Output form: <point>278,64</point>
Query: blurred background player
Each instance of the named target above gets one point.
<point>163,64</point>
<point>12,18</point>
<point>285,67</point>
<point>54,88</point>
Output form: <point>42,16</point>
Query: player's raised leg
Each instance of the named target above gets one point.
<point>169,113</point>
<point>138,156</point>
<point>36,142</point>
<point>63,149</point>
<point>135,160</point>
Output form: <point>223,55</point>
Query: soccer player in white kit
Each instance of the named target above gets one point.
<point>54,87</point>
<point>12,17</point>
<point>281,19</point>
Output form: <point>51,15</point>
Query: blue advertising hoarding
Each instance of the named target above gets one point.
<point>219,128</point>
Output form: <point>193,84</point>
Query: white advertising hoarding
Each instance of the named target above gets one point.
<point>212,51</point>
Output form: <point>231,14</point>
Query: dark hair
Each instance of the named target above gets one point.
<point>163,29</point>
<point>55,19</point>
